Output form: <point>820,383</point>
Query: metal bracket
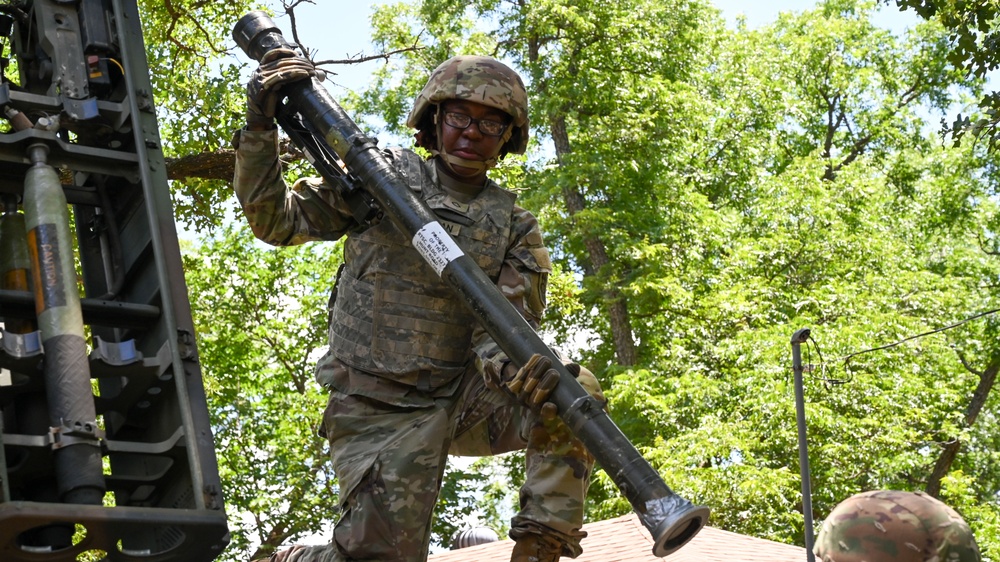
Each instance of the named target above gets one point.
<point>582,410</point>
<point>186,345</point>
<point>116,353</point>
<point>74,433</point>
<point>22,345</point>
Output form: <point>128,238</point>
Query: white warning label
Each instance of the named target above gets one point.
<point>437,247</point>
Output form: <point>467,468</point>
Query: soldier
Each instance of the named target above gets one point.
<point>412,376</point>
<point>887,526</point>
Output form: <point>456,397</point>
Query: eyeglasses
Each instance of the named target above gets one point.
<point>488,127</point>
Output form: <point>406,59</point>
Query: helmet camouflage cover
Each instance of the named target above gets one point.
<point>889,526</point>
<point>482,80</point>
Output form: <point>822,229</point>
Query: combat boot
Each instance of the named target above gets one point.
<point>536,548</point>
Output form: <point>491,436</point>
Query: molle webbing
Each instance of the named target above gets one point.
<point>393,314</point>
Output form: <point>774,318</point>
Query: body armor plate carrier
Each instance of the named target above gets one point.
<point>393,315</point>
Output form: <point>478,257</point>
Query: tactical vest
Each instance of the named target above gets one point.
<point>393,316</point>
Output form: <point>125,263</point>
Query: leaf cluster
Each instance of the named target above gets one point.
<point>261,323</point>
<point>974,37</point>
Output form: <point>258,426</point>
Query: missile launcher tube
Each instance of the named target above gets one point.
<point>15,263</point>
<point>72,414</point>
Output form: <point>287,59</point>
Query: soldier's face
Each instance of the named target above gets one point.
<point>470,143</point>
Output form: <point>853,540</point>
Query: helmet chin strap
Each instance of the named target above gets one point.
<point>450,160</point>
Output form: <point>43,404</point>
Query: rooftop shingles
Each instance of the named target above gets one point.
<point>624,539</point>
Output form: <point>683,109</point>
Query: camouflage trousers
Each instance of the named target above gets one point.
<point>389,461</point>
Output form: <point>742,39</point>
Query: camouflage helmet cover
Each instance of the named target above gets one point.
<point>889,526</point>
<point>482,80</point>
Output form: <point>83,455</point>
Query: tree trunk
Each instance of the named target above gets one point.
<point>618,315</point>
<point>950,451</point>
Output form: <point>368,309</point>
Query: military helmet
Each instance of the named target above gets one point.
<point>889,526</point>
<point>482,80</point>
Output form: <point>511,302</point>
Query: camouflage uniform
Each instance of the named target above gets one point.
<point>392,421</point>
<point>888,526</point>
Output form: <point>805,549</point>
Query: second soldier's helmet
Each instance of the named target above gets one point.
<point>889,526</point>
<point>483,80</point>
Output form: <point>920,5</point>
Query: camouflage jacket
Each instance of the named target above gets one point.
<point>312,210</point>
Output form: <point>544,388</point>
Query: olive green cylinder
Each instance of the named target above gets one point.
<point>72,414</point>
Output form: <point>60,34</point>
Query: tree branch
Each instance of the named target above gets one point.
<point>950,450</point>
<point>357,59</point>
<point>968,367</point>
<point>982,246</point>
<point>220,164</point>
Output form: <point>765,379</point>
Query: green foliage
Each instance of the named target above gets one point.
<point>973,30</point>
<point>811,231</point>
<point>404,25</point>
<point>198,92</point>
<point>973,37</point>
<point>261,320</point>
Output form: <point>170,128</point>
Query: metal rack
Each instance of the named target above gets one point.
<point>83,107</point>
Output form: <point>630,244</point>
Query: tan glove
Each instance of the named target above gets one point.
<point>277,68</point>
<point>532,384</point>
<point>587,380</point>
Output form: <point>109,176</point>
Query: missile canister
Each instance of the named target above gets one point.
<point>76,444</point>
<point>15,263</point>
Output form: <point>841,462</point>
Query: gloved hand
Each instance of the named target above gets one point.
<point>587,380</point>
<point>277,68</point>
<point>533,383</point>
